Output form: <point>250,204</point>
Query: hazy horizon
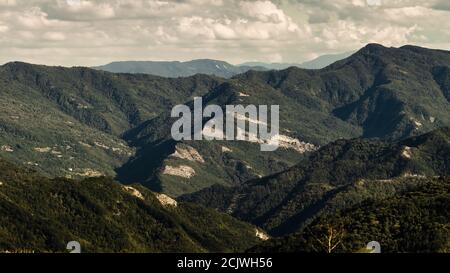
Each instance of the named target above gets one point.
<point>97,32</point>
<point>184,61</point>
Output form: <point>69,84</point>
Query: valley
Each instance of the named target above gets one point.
<point>88,155</point>
<point>77,122</point>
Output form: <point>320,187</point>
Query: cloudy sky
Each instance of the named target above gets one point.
<point>82,32</point>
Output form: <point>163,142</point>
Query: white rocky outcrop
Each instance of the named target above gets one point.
<point>261,235</point>
<point>283,141</point>
<point>166,200</point>
<point>85,144</point>
<point>134,192</point>
<point>181,171</point>
<point>406,153</point>
<point>226,150</point>
<point>188,153</point>
<point>42,150</point>
<point>413,175</point>
<point>101,145</point>
<point>417,124</point>
<point>89,173</point>
<point>7,148</point>
<point>295,144</point>
<point>288,142</point>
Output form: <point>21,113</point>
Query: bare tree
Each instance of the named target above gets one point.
<point>331,239</point>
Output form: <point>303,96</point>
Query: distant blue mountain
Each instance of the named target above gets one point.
<point>178,69</point>
<point>317,63</point>
<point>325,60</point>
<point>174,69</point>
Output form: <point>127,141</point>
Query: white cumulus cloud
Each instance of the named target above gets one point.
<point>93,32</point>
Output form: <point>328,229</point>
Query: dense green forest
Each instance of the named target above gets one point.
<point>338,176</point>
<point>42,215</point>
<point>414,220</point>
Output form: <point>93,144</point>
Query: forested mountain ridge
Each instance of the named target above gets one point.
<point>42,215</point>
<point>415,220</point>
<point>283,203</point>
<point>387,92</point>
<point>79,122</point>
<point>378,92</point>
<point>70,121</point>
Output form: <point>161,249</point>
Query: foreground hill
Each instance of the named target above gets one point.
<point>43,215</point>
<point>339,175</point>
<point>415,220</point>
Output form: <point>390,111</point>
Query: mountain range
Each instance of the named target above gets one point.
<point>177,69</point>
<point>316,63</point>
<point>53,116</point>
<point>174,69</point>
<point>366,129</point>
<point>376,93</point>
